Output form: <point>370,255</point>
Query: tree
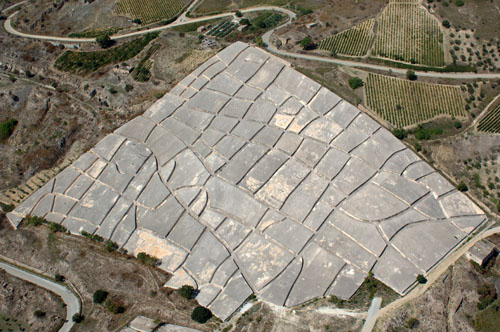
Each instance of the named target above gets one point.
<point>201,314</point>
<point>104,40</point>
<point>421,279</point>
<point>459,3</point>
<point>410,74</point>
<point>307,43</point>
<point>59,278</point>
<point>186,291</point>
<point>400,133</point>
<point>446,24</point>
<point>355,82</point>
<point>239,14</point>
<point>39,313</point>
<point>78,318</point>
<point>100,296</point>
<point>462,186</point>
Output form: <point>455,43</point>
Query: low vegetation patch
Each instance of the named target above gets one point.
<point>7,128</point>
<point>83,63</point>
<point>148,259</point>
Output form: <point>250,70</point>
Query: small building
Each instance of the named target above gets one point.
<point>482,252</point>
<point>311,25</point>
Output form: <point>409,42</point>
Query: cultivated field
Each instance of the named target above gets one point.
<point>354,42</point>
<point>404,31</point>
<point>407,32</point>
<point>150,11</point>
<point>404,103</point>
<point>490,123</point>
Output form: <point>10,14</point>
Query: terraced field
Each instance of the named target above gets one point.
<point>354,42</point>
<point>490,123</point>
<point>149,11</point>
<point>404,103</point>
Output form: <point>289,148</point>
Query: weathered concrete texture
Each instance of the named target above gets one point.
<point>248,177</point>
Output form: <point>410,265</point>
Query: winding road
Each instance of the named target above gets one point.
<point>73,302</point>
<point>73,305</point>
<point>183,20</point>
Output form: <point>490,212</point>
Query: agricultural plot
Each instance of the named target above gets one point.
<point>490,123</point>
<point>404,103</point>
<point>407,32</point>
<point>142,73</point>
<point>404,31</point>
<point>354,42</point>
<point>150,11</point>
<point>222,29</point>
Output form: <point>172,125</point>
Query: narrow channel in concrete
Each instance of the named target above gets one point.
<point>372,315</point>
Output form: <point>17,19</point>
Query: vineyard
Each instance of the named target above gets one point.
<point>354,42</point>
<point>149,11</point>
<point>404,103</point>
<point>222,29</point>
<point>142,72</point>
<point>407,32</point>
<point>404,31</point>
<point>490,123</point>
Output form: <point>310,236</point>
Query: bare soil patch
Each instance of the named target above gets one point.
<point>19,300</point>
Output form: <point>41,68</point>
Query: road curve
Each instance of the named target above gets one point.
<point>435,274</point>
<point>266,38</point>
<point>73,305</point>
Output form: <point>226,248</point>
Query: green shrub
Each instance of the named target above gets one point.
<point>55,227</point>
<point>114,307</point>
<point>417,146</point>
<point>100,296</point>
<point>462,186</point>
<point>59,278</point>
<point>410,74</point>
<point>400,133</point>
<point>201,314</point>
<point>93,237</point>
<point>186,291</point>
<point>39,313</point>
<point>7,128</point>
<point>78,318</point>
<point>355,82</point>
<point>110,246</point>
<point>6,207</point>
<point>104,40</point>
<point>34,220</point>
<point>487,295</point>
<point>411,323</point>
<point>421,279</point>
<point>148,259</point>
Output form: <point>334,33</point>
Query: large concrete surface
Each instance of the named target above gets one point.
<point>248,177</point>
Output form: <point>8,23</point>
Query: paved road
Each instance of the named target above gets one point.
<point>13,6</point>
<point>372,315</point>
<point>72,302</point>
<point>183,19</point>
